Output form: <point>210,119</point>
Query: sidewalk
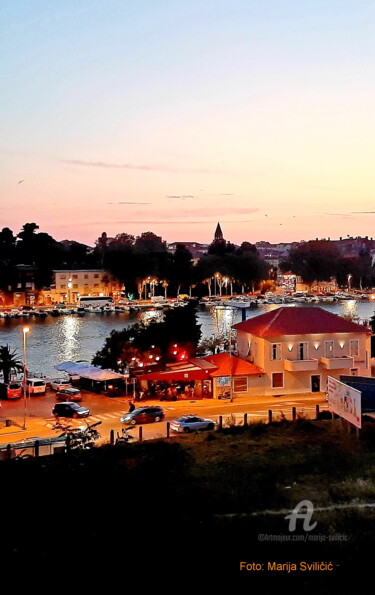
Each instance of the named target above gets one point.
<point>37,426</point>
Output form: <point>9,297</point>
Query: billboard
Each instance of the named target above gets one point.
<point>345,401</point>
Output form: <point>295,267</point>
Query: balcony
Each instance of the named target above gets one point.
<point>337,363</point>
<point>300,365</point>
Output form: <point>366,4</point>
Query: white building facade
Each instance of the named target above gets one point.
<point>298,348</point>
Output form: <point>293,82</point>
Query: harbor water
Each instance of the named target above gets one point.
<point>53,340</point>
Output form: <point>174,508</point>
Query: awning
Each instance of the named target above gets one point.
<point>192,369</point>
<point>176,375</point>
<point>90,372</point>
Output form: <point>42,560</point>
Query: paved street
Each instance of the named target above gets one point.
<point>108,411</point>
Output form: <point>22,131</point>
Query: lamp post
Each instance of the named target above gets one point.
<point>70,285</point>
<point>349,281</point>
<point>25,330</point>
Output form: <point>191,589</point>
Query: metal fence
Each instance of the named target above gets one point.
<point>52,446</point>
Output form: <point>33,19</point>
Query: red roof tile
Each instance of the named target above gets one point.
<point>230,365</point>
<point>298,321</point>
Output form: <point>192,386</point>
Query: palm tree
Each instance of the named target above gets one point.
<point>9,361</point>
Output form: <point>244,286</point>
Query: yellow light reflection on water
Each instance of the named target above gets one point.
<point>350,308</point>
<point>68,331</point>
<point>223,321</point>
<point>151,316</point>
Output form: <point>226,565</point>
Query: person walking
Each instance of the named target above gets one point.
<point>131,406</point>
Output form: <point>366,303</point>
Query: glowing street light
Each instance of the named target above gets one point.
<point>25,330</point>
<point>70,285</point>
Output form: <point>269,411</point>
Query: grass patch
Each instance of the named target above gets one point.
<point>214,486</point>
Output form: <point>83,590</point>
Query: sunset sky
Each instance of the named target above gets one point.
<point>169,116</point>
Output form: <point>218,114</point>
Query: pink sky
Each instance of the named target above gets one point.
<point>253,114</point>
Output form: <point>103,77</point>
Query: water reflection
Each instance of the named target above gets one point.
<point>148,316</point>
<point>350,308</point>
<point>223,320</point>
<point>54,340</point>
<point>68,332</point>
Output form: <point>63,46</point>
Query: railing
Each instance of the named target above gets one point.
<point>13,451</point>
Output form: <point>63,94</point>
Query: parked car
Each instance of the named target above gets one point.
<point>143,415</point>
<point>12,390</point>
<point>69,409</point>
<point>69,394</point>
<point>192,423</point>
<point>60,384</point>
<point>35,386</point>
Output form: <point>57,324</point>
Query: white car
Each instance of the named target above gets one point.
<point>60,384</point>
<point>192,423</point>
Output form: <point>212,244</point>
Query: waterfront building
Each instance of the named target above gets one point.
<point>70,285</point>
<point>298,348</point>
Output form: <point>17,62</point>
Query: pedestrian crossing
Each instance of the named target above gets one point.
<point>114,415</point>
<point>105,416</point>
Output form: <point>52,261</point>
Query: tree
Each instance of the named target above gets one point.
<point>40,250</point>
<point>221,247</point>
<point>180,270</point>
<point>148,242</point>
<point>124,238</point>
<point>7,244</point>
<point>313,261</point>
<point>247,247</point>
<point>175,338</point>
<point>8,362</point>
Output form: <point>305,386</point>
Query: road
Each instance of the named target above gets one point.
<point>108,411</point>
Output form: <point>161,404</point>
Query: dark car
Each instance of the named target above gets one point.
<point>69,394</point>
<point>143,415</point>
<point>69,409</point>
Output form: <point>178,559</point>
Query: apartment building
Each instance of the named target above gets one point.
<point>69,286</point>
<point>298,348</point>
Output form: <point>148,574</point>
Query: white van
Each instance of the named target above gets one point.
<point>35,386</point>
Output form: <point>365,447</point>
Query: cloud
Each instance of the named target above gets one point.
<point>132,166</point>
<point>125,202</point>
<point>181,196</point>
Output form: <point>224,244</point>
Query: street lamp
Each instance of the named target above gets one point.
<point>70,285</point>
<point>25,330</point>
